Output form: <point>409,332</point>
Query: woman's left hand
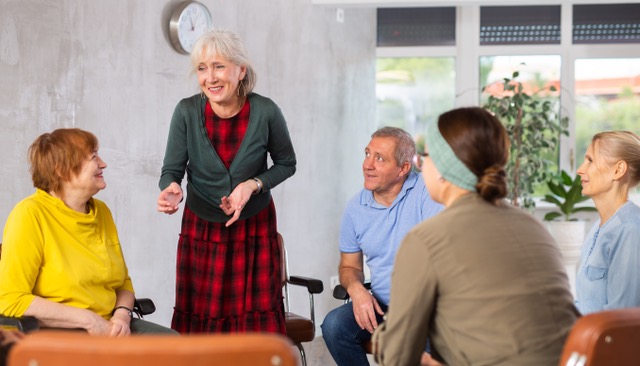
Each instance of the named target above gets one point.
<point>236,201</point>
<point>120,325</point>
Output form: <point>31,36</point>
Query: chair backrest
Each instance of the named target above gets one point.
<point>608,338</point>
<point>284,268</point>
<point>49,348</point>
<point>283,260</point>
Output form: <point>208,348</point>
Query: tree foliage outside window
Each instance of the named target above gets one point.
<point>412,92</point>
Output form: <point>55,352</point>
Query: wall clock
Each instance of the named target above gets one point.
<point>189,21</point>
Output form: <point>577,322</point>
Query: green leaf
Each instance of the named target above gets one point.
<point>552,216</point>
<point>551,199</point>
<point>585,209</point>
<point>556,189</point>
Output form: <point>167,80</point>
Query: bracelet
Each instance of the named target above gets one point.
<point>125,308</point>
<point>259,184</point>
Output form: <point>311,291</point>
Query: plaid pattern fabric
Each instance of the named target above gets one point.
<point>228,279</point>
<point>229,132</point>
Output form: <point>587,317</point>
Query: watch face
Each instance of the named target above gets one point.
<point>188,22</point>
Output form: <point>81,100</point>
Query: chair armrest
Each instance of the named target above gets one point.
<point>27,324</point>
<point>340,293</point>
<point>143,307</point>
<point>24,324</point>
<point>314,286</point>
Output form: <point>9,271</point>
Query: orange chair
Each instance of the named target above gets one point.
<point>58,348</point>
<point>299,328</point>
<point>607,338</point>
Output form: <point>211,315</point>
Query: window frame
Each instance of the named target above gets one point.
<point>467,53</point>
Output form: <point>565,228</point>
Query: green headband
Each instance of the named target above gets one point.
<point>446,161</point>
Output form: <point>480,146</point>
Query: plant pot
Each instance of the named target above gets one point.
<point>569,235</point>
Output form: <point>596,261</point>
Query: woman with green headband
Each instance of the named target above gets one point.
<point>484,281</point>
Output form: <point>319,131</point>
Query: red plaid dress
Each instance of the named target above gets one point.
<point>228,278</point>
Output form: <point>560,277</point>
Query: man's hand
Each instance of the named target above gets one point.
<point>365,307</point>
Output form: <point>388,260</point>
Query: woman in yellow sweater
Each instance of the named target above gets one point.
<point>62,262</point>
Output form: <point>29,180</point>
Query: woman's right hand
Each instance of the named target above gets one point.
<point>170,198</point>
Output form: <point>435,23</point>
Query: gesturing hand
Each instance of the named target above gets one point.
<point>236,201</point>
<point>169,199</point>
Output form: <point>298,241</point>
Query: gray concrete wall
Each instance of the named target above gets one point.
<point>108,67</point>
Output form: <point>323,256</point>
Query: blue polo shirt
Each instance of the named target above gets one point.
<point>377,230</point>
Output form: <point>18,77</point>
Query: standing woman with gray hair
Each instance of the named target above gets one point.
<point>609,273</point>
<point>228,263</point>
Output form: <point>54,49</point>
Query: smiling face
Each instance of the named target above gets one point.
<point>89,179</point>
<point>382,175</point>
<point>596,173</point>
<point>219,79</point>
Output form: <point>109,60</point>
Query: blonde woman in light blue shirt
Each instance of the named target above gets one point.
<point>609,273</point>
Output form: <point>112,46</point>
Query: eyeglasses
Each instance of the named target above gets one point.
<point>418,159</point>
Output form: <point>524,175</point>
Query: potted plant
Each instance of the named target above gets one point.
<point>534,128</point>
<point>566,194</point>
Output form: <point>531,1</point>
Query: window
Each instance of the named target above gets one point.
<point>412,92</point>
<point>416,27</point>
<point>607,98</point>
<point>519,25</point>
<point>590,51</point>
<point>596,24</point>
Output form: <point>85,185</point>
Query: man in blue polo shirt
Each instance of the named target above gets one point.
<point>394,199</point>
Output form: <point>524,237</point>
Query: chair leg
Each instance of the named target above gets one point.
<point>303,357</point>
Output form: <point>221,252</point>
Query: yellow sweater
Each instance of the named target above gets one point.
<point>61,255</point>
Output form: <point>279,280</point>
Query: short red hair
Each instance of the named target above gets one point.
<point>57,156</point>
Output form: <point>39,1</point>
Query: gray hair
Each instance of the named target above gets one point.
<point>228,45</point>
<point>405,146</point>
<point>621,145</point>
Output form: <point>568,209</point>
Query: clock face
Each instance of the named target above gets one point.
<point>188,22</point>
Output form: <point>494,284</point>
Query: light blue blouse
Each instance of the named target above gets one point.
<point>609,274</point>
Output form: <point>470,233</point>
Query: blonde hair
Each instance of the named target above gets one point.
<point>227,45</point>
<point>621,145</point>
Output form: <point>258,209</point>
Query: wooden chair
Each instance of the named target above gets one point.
<point>49,348</point>
<point>299,328</point>
<point>607,338</point>
<point>27,324</point>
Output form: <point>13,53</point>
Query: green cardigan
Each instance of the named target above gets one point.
<point>189,149</point>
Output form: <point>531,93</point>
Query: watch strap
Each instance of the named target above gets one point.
<point>130,311</point>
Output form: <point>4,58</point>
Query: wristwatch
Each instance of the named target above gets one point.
<point>259,184</point>
<point>125,308</point>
